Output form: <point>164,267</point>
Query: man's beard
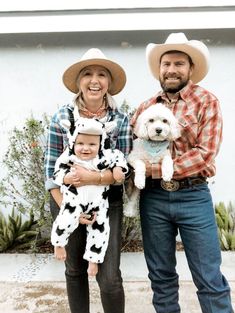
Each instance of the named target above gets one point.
<point>172,89</point>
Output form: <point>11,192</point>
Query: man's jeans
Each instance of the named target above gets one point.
<point>109,275</point>
<point>191,212</point>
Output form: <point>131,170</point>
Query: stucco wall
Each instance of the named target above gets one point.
<point>32,65</point>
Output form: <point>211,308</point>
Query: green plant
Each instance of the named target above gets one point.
<point>131,230</point>
<point>14,232</point>
<point>131,233</point>
<point>23,186</point>
<point>125,108</point>
<point>225,218</point>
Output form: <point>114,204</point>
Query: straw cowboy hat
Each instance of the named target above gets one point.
<point>95,57</point>
<point>198,52</point>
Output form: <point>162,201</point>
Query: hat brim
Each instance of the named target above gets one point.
<point>195,49</point>
<point>118,75</point>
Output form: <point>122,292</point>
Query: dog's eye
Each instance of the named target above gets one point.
<point>165,120</point>
<point>151,120</point>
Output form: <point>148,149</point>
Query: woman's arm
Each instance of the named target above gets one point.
<point>80,176</point>
<point>57,195</point>
<point>55,146</point>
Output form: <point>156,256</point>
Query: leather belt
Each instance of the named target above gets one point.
<point>174,185</point>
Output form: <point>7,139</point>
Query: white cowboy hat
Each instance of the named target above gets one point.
<point>95,56</point>
<point>197,51</point>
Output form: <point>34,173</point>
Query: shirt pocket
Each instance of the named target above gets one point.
<point>189,128</point>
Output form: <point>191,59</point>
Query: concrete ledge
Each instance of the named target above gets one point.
<point>43,267</point>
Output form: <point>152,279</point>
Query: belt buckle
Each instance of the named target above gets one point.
<point>172,185</point>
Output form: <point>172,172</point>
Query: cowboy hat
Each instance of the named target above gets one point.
<point>95,56</point>
<point>197,51</point>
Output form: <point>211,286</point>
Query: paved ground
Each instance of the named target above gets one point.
<point>48,297</point>
<point>35,284</point>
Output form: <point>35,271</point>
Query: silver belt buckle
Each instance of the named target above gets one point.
<point>172,185</point>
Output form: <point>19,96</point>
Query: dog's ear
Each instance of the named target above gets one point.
<point>174,129</point>
<point>140,129</point>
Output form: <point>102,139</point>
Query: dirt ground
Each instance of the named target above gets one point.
<point>51,297</point>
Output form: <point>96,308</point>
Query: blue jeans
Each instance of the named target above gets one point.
<point>189,211</point>
<point>109,276</point>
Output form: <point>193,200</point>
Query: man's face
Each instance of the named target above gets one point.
<point>175,71</point>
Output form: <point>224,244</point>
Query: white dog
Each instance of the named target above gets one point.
<point>155,128</point>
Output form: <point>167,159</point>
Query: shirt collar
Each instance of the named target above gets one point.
<point>182,94</point>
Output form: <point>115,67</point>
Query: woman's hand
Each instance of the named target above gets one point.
<point>78,176</point>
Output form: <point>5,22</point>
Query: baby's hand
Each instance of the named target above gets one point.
<point>118,174</point>
<point>88,220</point>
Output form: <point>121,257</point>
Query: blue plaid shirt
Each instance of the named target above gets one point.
<point>120,138</point>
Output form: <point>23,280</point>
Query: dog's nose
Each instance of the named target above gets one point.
<point>158,131</point>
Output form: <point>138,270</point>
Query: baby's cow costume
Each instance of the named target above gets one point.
<point>85,199</point>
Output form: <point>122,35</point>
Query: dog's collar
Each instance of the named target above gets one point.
<point>155,148</point>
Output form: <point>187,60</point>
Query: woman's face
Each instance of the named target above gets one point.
<point>94,83</point>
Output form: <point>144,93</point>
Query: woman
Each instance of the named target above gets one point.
<point>94,80</point>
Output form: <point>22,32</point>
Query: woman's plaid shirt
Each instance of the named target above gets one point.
<point>120,138</point>
<point>199,116</point>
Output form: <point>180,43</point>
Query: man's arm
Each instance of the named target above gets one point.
<point>199,158</point>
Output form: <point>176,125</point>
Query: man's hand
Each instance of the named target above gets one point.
<point>148,169</point>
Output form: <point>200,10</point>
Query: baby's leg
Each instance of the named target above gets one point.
<point>60,253</point>
<point>98,236</point>
<point>92,269</point>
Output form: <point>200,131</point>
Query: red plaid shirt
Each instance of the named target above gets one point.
<point>199,116</point>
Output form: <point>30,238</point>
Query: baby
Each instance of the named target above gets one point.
<point>86,148</point>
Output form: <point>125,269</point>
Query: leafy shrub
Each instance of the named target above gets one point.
<point>131,230</point>
<point>225,218</point>
<point>131,234</point>
<point>22,188</point>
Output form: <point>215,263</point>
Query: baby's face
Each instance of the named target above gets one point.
<point>86,147</point>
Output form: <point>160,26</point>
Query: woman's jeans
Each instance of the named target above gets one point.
<point>109,275</point>
<point>191,212</point>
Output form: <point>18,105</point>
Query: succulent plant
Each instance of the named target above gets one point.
<point>225,218</point>
<point>13,231</point>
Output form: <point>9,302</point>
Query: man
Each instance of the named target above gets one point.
<point>185,203</point>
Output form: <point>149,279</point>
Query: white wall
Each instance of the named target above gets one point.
<point>32,67</point>
<point>75,16</point>
<point>28,5</point>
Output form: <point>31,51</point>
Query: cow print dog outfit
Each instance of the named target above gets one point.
<point>85,199</point>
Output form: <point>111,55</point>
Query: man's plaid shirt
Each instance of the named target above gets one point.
<point>120,138</point>
<point>198,113</point>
